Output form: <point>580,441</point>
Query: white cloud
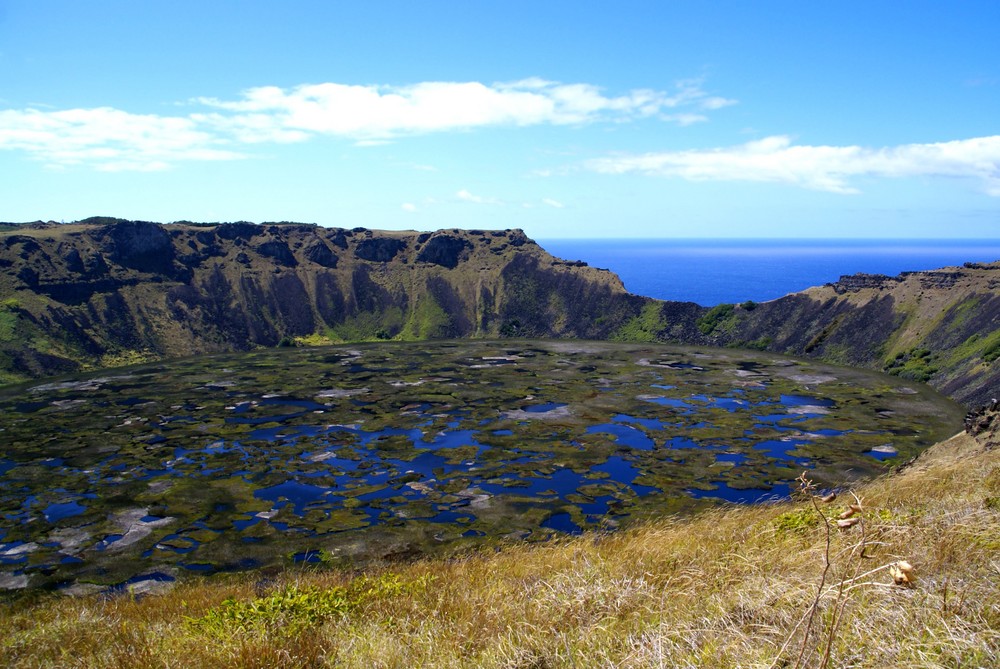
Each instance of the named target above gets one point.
<point>107,139</point>
<point>553,203</point>
<point>466,196</point>
<point>684,120</point>
<point>110,139</point>
<point>826,168</point>
<point>365,113</point>
<point>409,206</point>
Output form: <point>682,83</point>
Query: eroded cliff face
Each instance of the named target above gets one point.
<point>94,294</point>
<point>941,327</point>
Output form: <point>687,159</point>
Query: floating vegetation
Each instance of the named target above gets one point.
<point>384,451</point>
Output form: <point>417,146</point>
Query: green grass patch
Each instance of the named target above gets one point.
<point>992,350</point>
<point>293,609</point>
<point>8,325</point>
<point>369,326</point>
<point>721,316</point>
<point>644,327</point>
<point>427,321</point>
<point>798,521</point>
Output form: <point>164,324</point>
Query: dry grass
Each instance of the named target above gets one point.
<point>731,587</point>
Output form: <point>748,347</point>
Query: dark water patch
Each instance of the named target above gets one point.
<point>562,522</point>
<point>883,452</point>
<point>730,404</point>
<point>625,435</point>
<point>308,557</point>
<point>201,567</point>
<point>56,512</point>
<point>598,508</point>
<point>723,491</point>
<point>29,407</point>
<point>449,517</point>
<point>803,400</point>
<point>124,586</point>
<point>561,483</point>
<point>108,541</point>
<point>780,449</point>
<point>648,423</point>
<point>666,401</point>
<point>623,471</point>
<point>679,443</point>
<point>545,407</point>
<point>298,494</point>
<point>132,401</point>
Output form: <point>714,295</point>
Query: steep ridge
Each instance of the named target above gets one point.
<point>109,291</point>
<point>941,327</point>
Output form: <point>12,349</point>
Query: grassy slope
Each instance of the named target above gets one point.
<point>729,587</point>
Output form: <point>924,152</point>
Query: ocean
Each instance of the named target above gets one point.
<point>714,271</point>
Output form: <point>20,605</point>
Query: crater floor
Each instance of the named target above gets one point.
<point>135,476</point>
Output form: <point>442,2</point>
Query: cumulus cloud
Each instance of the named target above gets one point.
<point>108,139</point>
<point>373,113</point>
<point>409,206</point>
<point>826,168</point>
<point>113,139</point>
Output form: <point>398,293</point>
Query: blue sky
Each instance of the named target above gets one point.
<point>567,119</point>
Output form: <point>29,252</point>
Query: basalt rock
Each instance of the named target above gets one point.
<point>379,249</point>
<point>444,250</point>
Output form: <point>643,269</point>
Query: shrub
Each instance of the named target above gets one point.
<point>292,610</point>
<point>915,364</point>
<point>716,317</point>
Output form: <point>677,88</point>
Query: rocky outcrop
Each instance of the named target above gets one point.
<point>444,250</point>
<point>852,283</point>
<point>984,422</point>
<point>378,249</point>
<point>136,245</point>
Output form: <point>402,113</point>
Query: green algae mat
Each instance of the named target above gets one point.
<point>364,452</point>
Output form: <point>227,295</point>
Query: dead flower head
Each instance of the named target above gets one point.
<point>902,573</point>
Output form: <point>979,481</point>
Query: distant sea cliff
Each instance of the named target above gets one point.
<point>104,292</point>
